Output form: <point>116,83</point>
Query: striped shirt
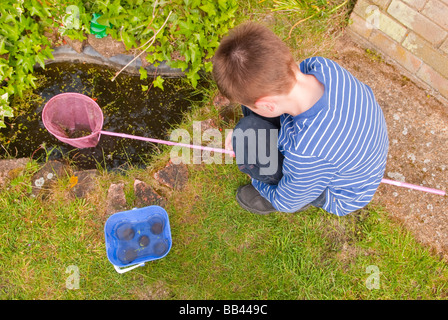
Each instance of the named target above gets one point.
<point>339,146</point>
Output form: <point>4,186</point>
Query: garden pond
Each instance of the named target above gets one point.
<point>126,108</point>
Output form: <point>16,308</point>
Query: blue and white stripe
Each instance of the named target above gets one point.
<point>339,146</point>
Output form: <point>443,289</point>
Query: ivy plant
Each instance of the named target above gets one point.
<point>22,46</point>
<point>187,40</point>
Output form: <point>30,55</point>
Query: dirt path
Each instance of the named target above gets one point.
<point>418,152</point>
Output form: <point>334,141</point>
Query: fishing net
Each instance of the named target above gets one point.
<point>73,118</point>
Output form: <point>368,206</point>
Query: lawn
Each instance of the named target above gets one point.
<point>54,248</point>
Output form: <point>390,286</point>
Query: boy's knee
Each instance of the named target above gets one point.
<point>255,145</point>
<point>252,135</point>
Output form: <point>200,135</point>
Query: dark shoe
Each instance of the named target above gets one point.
<point>250,199</point>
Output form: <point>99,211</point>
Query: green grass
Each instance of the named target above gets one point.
<point>219,251</point>
<point>309,27</point>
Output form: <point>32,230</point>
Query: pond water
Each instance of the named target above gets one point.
<point>126,109</point>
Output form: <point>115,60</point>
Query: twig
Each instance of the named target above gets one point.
<point>297,23</point>
<point>154,9</point>
<point>9,155</point>
<point>152,39</point>
<point>40,147</point>
<point>337,7</point>
<point>148,27</point>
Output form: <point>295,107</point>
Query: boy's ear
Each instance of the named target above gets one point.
<point>265,103</point>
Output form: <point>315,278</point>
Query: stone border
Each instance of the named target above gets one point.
<point>88,54</point>
<point>173,177</point>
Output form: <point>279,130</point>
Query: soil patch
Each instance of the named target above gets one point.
<point>418,151</point>
<point>107,46</point>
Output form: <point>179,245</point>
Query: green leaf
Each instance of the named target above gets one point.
<point>11,32</point>
<point>115,8</point>
<point>223,4</point>
<point>208,66</point>
<point>192,4</point>
<point>201,39</point>
<point>195,3</point>
<point>179,64</point>
<point>122,19</point>
<point>2,46</point>
<point>194,80</point>
<point>143,73</point>
<point>158,82</point>
<point>195,53</point>
<point>4,98</point>
<point>193,32</point>
<point>6,111</point>
<point>128,40</point>
<point>209,8</point>
<point>184,28</point>
<point>30,78</point>
<point>34,11</point>
<point>40,60</point>
<point>104,21</point>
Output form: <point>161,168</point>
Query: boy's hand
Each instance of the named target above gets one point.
<point>228,144</point>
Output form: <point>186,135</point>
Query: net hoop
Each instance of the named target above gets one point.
<point>72,110</point>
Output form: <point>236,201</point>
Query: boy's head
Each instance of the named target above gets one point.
<point>252,63</point>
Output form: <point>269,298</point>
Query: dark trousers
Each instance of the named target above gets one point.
<point>255,145</point>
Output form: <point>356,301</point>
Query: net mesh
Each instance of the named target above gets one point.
<point>73,118</point>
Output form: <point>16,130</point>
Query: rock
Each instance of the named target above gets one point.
<point>397,176</point>
<point>116,200</point>
<point>51,33</point>
<point>174,176</point>
<point>220,101</point>
<point>85,183</point>
<point>229,113</point>
<point>9,169</point>
<point>77,45</point>
<point>47,175</point>
<point>106,46</point>
<point>208,124</point>
<point>146,196</point>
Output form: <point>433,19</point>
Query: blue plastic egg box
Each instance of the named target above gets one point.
<point>136,236</point>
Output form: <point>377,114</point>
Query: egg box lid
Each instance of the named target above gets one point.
<point>138,235</point>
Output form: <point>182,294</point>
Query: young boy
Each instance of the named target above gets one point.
<point>332,136</point>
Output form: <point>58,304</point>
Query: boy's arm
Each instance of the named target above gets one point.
<point>304,179</point>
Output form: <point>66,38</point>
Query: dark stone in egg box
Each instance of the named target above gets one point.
<point>143,241</point>
<point>125,232</point>
<point>160,248</point>
<point>157,228</point>
<point>127,255</point>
